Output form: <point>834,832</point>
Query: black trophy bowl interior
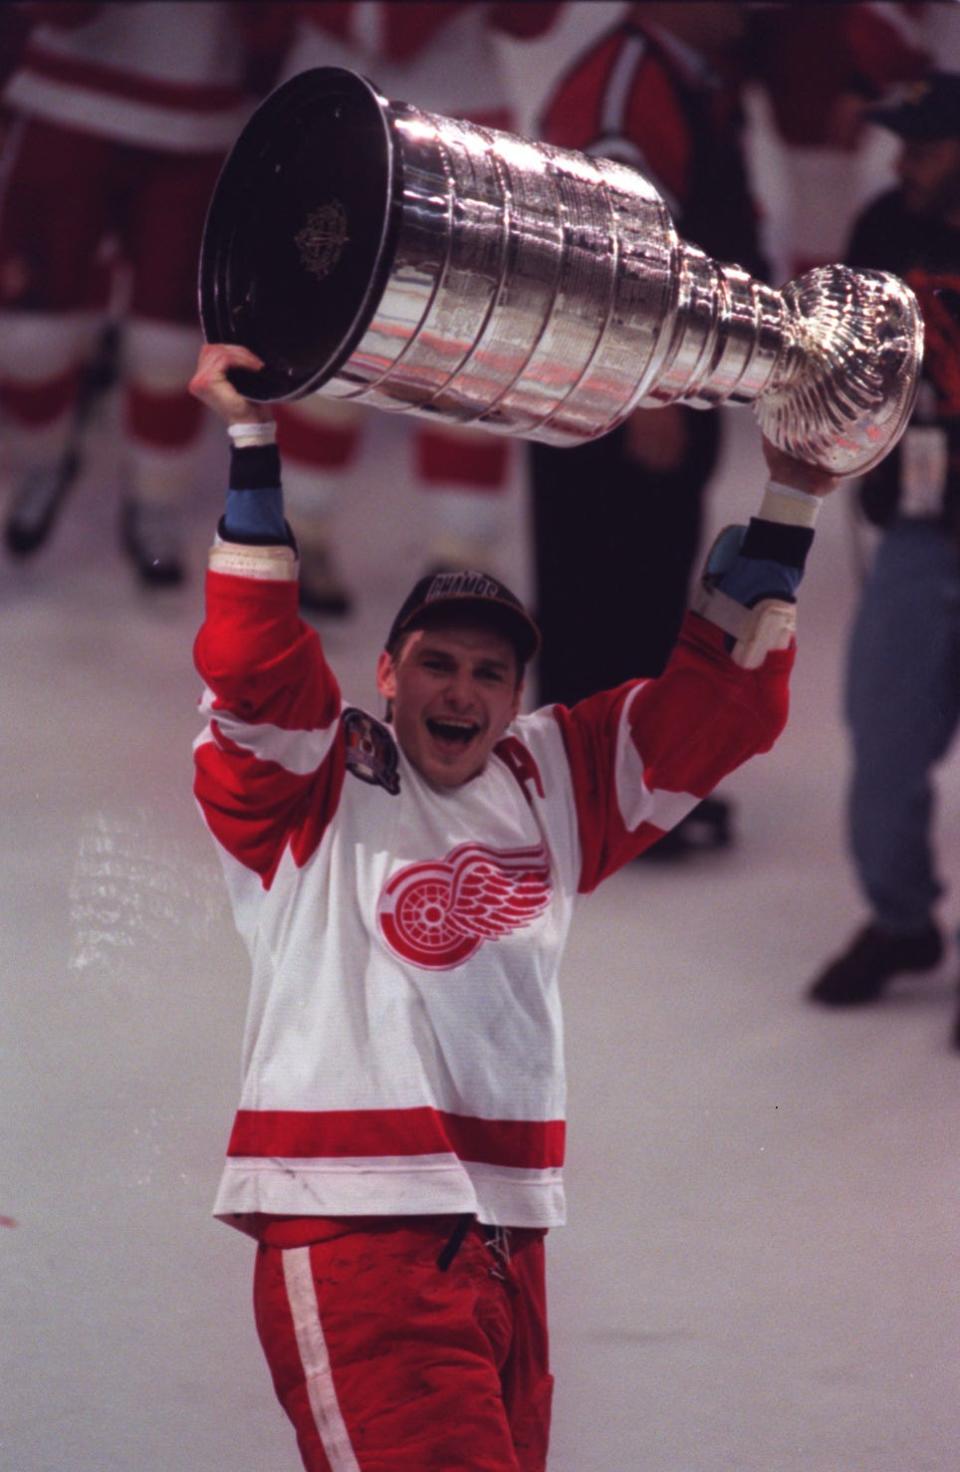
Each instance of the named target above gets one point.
<point>299,234</point>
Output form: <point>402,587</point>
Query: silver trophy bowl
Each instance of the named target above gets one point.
<point>366,250</point>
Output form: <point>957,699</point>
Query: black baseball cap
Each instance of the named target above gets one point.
<point>470,592</point>
<point>924,110</point>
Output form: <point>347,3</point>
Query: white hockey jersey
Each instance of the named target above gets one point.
<point>403,1049</point>
<point>163,74</point>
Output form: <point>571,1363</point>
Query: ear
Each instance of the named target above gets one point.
<point>386,675</point>
<point>517,700</point>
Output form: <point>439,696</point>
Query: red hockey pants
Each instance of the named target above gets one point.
<point>386,1361</point>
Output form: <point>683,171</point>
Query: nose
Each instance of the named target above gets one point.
<point>458,693</point>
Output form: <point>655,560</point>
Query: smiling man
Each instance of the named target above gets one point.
<point>461,679</point>
<point>405,887</point>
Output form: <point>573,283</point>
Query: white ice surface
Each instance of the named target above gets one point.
<point>760,1270</point>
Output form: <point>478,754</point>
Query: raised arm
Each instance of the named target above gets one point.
<point>644,755</point>
<point>268,767</point>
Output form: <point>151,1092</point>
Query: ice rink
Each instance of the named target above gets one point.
<point>760,1269</point>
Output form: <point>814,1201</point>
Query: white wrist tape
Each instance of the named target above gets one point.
<point>788,505</point>
<point>256,432</point>
<point>269,564</point>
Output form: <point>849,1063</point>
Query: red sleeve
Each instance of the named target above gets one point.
<point>643,755</point>
<point>642,123</point>
<point>269,768</point>
<point>654,122</point>
<point>572,116</point>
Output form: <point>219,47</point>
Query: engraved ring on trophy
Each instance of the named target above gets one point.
<point>369,251</point>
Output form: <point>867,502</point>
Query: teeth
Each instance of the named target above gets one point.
<point>452,729</point>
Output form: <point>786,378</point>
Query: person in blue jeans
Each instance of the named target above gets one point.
<point>903,669</point>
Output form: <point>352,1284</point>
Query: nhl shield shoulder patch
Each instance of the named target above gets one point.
<point>370,750</point>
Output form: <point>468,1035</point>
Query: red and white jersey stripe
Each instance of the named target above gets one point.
<point>164,75</point>
<point>403,1049</point>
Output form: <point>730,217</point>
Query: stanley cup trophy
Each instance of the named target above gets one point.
<point>366,250</point>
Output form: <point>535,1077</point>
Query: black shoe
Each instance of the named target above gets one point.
<point>861,974</point>
<point>36,504</point>
<point>707,826</point>
<point>150,536</point>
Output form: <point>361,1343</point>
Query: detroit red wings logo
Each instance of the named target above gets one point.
<point>438,913</point>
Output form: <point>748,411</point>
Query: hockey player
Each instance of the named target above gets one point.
<point>405,885</point>
<point>120,116</point>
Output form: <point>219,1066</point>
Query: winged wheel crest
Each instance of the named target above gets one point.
<point>439,912</point>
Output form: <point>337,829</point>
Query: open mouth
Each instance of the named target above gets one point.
<point>454,733</point>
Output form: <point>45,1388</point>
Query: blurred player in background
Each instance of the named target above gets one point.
<point>820,68</point>
<point>118,119</point>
